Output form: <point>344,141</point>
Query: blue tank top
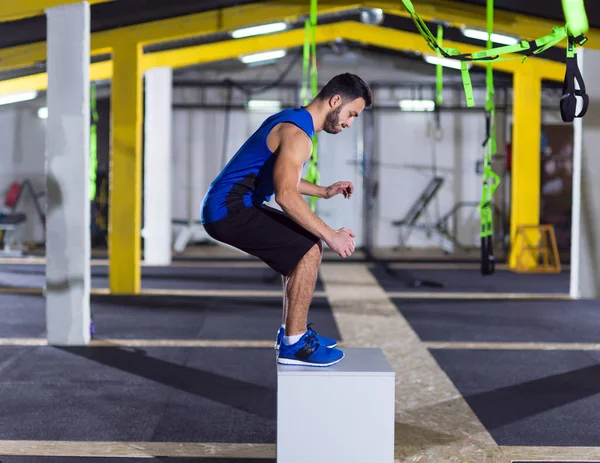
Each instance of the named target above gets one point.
<point>247,179</point>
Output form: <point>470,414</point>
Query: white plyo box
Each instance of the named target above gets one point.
<point>343,413</point>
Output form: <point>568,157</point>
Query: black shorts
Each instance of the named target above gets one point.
<point>266,233</point>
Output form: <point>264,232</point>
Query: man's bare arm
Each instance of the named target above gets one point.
<point>310,189</point>
<point>294,150</point>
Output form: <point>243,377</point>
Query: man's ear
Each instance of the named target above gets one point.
<point>335,101</point>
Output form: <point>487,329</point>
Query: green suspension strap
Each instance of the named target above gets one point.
<point>93,167</point>
<point>490,179</point>
<point>439,84</point>
<point>576,26</point>
<point>310,68</point>
<point>305,63</point>
<point>93,143</point>
<point>576,17</point>
<point>439,71</point>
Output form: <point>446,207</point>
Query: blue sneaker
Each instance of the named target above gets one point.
<point>327,342</point>
<point>308,352</point>
<point>279,339</point>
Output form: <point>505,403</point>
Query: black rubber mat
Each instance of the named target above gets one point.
<point>503,320</point>
<point>138,395</point>
<point>167,317</point>
<point>41,459</point>
<point>173,277</point>
<point>529,398</point>
<point>471,281</point>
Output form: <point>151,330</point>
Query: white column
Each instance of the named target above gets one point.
<point>585,248</point>
<point>157,166</point>
<point>67,175</point>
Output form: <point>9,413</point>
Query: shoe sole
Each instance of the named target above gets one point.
<point>286,361</point>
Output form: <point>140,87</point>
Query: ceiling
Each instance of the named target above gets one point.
<point>122,13</point>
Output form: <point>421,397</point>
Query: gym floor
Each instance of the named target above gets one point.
<point>488,369</point>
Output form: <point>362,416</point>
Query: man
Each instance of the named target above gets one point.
<point>270,162</point>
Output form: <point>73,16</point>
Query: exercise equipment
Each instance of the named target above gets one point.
<point>537,251</point>
<point>568,102</point>
<point>575,28</point>
<point>309,69</point>
<point>93,167</point>
<point>11,220</point>
<point>93,142</point>
<point>575,16</point>
<point>419,207</point>
<point>490,179</point>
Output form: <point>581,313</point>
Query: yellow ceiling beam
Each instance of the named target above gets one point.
<point>217,21</point>
<point>413,42</point>
<point>182,27</point>
<point>19,9</point>
<point>349,30</point>
<point>231,49</point>
<point>39,82</point>
<point>228,19</point>
<point>32,54</point>
<point>458,14</point>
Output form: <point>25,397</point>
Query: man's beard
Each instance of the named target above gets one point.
<point>332,121</point>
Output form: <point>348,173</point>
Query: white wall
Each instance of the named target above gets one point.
<point>403,145</point>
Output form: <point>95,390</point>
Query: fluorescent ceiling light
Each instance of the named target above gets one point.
<point>446,62</point>
<point>264,105</point>
<point>43,113</point>
<point>264,56</point>
<point>417,105</point>
<point>373,16</point>
<point>259,30</point>
<point>17,97</point>
<point>479,34</point>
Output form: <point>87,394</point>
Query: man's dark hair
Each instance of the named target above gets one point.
<point>349,87</point>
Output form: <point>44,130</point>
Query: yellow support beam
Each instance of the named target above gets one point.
<point>39,82</point>
<point>13,10</point>
<point>33,54</point>
<point>526,146</point>
<point>182,27</point>
<point>126,170</point>
<point>408,41</point>
<point>219,21</point>
<point>459,14</point>
<point>231,49</point>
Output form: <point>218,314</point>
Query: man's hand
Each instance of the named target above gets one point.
<point>342,242</point>
<point>345,188</point>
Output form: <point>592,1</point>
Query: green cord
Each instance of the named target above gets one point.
<point>576,17</point>
<point>93,143</point>
<point>574,11</point>
<point>439,72</point>
<point>305,62</point>
<point>490,179</point>
<point>310,68</point>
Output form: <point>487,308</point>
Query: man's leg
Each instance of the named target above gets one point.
<point>284,281</point>
<point>298,290</point>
